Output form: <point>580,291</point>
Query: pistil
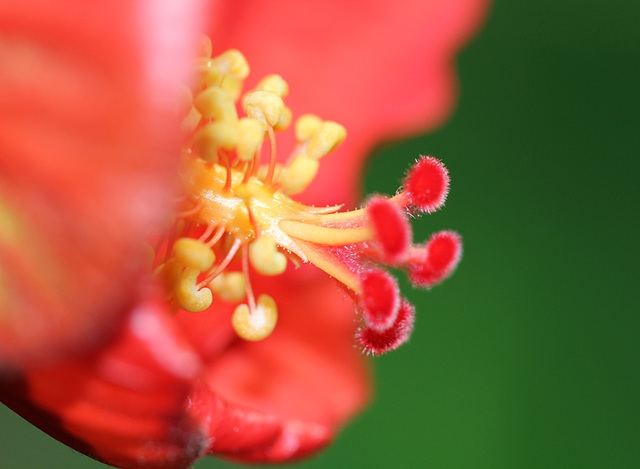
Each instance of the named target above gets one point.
<point>237,217</point>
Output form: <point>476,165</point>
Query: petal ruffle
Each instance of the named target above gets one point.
<point>309,368</point>
<point>145,401</point>
<point>308,373</point>
<point>125,405</point>
<point>88,150</point>
<point>380,68</point>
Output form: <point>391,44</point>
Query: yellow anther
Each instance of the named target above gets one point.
<point>233,86</point>
<point>191,121</point>
<point>263,169</point>
<point>233,63</point>
<point>328,136</point>
<point>275,84</point>
<point>256,325</point>
<point>214,136</point>
<point>169,273</point>
<point>306,126</point>
<point>187,295</point>
<point>194,254</point>
<point>205,46</point>
<point>264,106</point>
<point>298,174</point>
<point>229,287</point>
<point>265,258</point>
<point>215,103</point>
<point>207,73</point>
<point>250,137</point>
<point>285,119</point>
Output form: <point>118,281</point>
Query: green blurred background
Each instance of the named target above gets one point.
<point>529,356</point>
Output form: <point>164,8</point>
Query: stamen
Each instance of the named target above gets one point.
<point>285,119</point>
<point>207,73</point>
<point>193,253</point>
<point>208,231</point>
<point>192,120</point>
<point>224,158</point>
<point>255,163</point>
<point>247,278</point>
<point>275,84</point>
<point>216,237</point>
<point>306,126</point>
<point>215,103</point>
<point>191,297</point>
<point>298,174</point>
<point>264,106</point>
<point>230,287</point>
<point>224,264</point>
<point>235,69</point>
<point>169,273</point>
<point>272,159</point>
<point>191,211</point>
<point>233,63</point>
<point>250,136</point>
<point>242,204</point>
<point>265,258</point>
<point>257,324</point>
<point>213,137</point>
<point>328,136</point>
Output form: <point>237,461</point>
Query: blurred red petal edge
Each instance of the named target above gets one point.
<point>309,369</point>
<point>140,403</point>
<point>383,70</point>
<point>89,145</point>
<point>249,436</point>
<point>126,404</point>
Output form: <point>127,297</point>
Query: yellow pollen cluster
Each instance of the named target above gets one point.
<point>236,218</point>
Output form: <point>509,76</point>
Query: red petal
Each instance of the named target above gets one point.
<point>308,372</point>
<point>143,401</point>
<point>125,405</point>
<point>89,144</point>
<point>381,69</point>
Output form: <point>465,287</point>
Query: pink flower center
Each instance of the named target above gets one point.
<point>238,218</point>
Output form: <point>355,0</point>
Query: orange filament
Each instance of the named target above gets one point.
<point>216,237</point>
<point>223,265</point>
<point>208,232</point>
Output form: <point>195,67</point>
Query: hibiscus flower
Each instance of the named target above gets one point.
<point>91,348</point>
